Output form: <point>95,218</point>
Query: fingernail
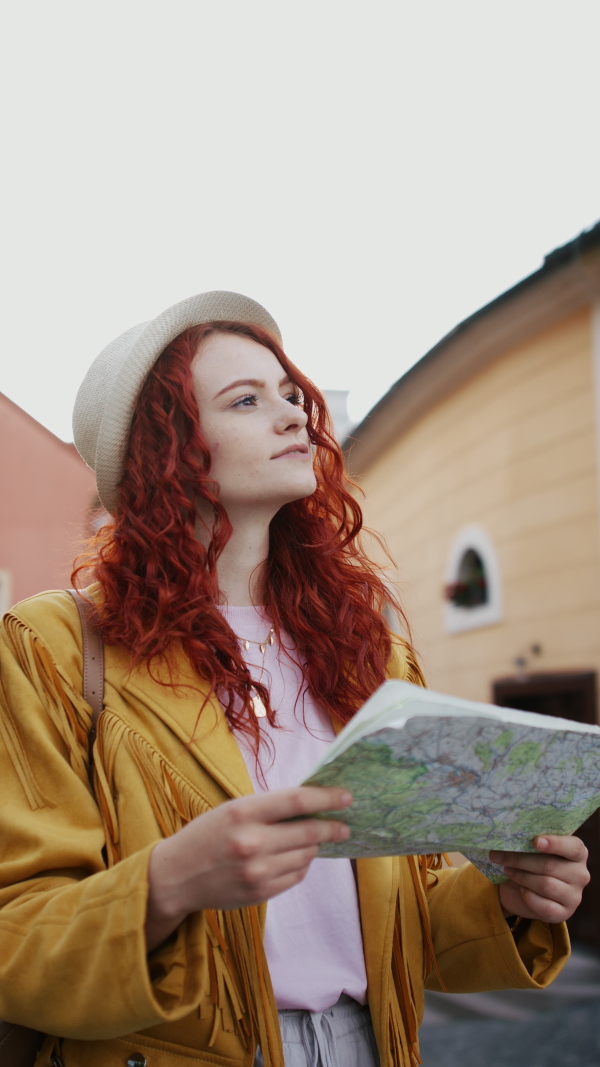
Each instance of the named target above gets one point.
<point>344,832</point>
<point>347,798</point>
<point>542,842</point>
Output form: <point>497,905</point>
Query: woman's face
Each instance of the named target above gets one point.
<point>252,424</point>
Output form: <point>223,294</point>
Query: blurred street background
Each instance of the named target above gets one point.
<point>414,192</point>
<point>558,1026</point>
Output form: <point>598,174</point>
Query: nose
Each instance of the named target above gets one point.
<point>290,417</point>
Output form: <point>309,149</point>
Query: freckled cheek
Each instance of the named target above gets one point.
<point>232,461</point>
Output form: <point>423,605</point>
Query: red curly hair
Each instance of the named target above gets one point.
<point>159,585</point>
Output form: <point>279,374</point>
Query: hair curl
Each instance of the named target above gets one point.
<point>159,585</point>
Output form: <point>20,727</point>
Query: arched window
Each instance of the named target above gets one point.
<point>472,589</point>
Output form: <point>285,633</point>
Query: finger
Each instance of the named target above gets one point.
<point>267,876</point>
<point>250,841</point>
<point>512,901</point>
<point>266,869</point>
<point>571,848</point>
<point>530,861</point>
<point>517,900</point>
<point>282,884</point>
<point>554,866</point>
<point>306,833</point>
<point>289,804</point>
<point>543,908</point>
<point>545,887</point>
<point>573,872</point>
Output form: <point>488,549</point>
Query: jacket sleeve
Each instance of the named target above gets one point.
<point>474,947</point>
<point>72,951</point>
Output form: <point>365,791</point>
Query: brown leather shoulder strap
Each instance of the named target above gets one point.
<point>93,671</point>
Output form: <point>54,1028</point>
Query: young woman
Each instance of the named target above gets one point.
<point>243,626</point>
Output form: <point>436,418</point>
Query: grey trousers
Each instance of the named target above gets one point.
<point>341,1036</point>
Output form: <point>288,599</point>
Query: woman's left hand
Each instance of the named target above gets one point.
<point>546,884</point>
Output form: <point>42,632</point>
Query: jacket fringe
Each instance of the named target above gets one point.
<point>174,800</point>
<point>412,670</point>
<point>419,869</point>
<point>229,1004</point>
<point>404,1040</point>
<point>239,989</point>
<point>246,959</point>
<point>66,709</point>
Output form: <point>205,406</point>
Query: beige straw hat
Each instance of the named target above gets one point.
<point>106,399</point>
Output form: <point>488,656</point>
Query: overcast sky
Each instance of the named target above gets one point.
<point>372,172</point>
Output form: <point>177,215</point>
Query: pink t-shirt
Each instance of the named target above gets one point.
<point>313,939</point>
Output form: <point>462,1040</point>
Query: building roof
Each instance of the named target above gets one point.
<point>567,281</point>
<point>38,427</point>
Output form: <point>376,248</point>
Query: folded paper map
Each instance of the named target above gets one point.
<point>434,773</point>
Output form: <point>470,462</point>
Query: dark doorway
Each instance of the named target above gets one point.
<point>567,696</point>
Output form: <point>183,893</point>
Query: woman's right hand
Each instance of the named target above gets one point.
<point>243,852</point>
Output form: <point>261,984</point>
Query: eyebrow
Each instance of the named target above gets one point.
<point>249,381</point>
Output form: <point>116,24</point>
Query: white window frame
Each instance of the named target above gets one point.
<point>459,619</point>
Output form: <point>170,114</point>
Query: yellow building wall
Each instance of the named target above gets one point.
<point>513,451</point>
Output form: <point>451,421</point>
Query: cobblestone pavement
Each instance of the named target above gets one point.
<point>559,1027</point>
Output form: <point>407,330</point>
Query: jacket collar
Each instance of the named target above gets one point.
<point>192,712</point>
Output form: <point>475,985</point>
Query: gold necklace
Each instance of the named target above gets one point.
<point>257,704</point>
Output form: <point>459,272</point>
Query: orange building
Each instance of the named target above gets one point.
<point>46,492</point>
<point>481,467</point>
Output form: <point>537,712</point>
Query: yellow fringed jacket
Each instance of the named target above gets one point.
<point>73,878</point>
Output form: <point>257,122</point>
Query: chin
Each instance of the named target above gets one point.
<point>304,487</point>
<point>302,493</point>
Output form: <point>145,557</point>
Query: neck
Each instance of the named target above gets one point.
<point>241,565</point>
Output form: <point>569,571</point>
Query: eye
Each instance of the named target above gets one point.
<point>295,397</point>
<point>247,401</point>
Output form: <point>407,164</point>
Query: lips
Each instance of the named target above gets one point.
<point>291,449</point>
